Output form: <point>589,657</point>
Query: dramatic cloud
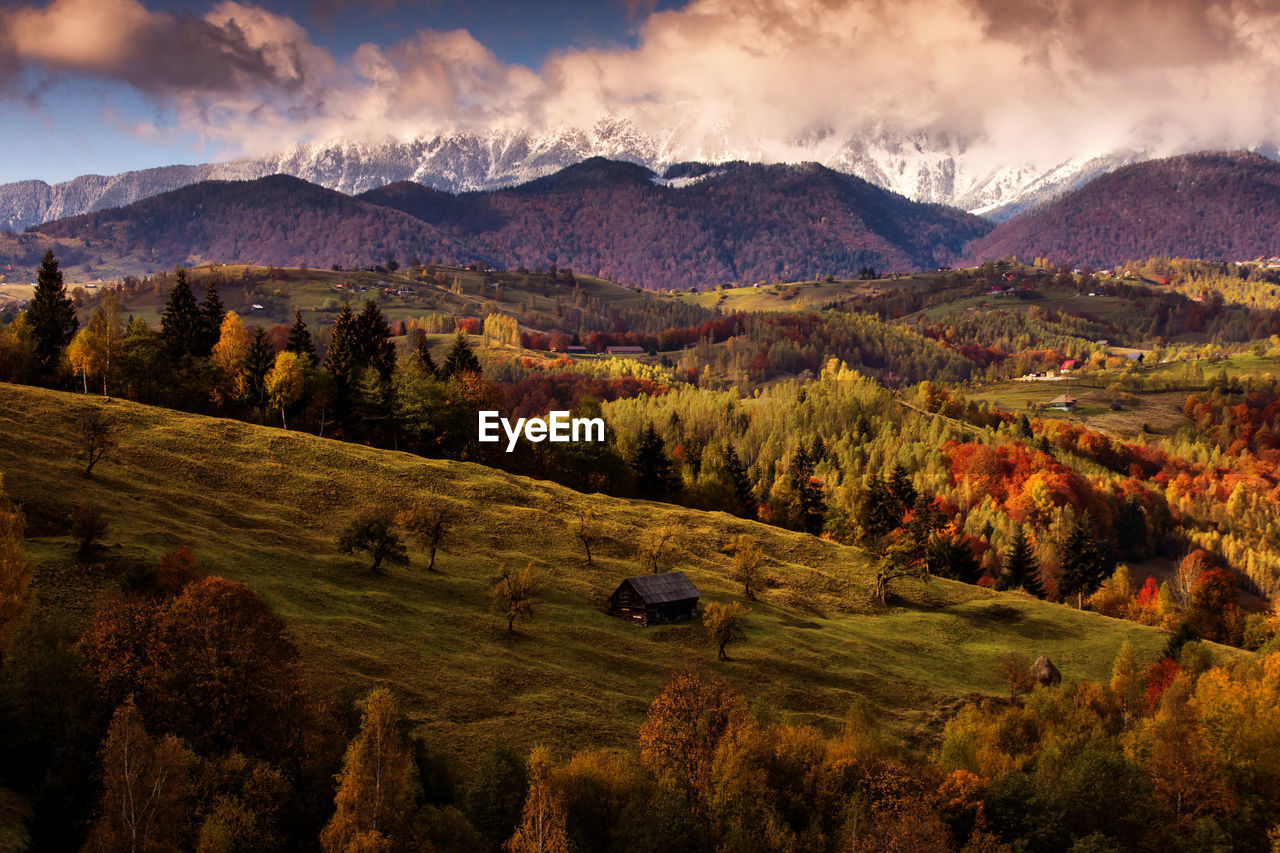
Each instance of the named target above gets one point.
<point>788,79</point>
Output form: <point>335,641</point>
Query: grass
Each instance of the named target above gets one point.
<point>262,506</point>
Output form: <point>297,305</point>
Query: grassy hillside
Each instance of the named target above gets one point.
<point>262,506</point>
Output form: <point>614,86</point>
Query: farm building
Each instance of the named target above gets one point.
<point>1065,402</point>
<point>655,599</point>
<point>624,350</point>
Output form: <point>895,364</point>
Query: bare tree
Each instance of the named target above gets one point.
<point>96,439</point>
<point>429,523</point>
<point>652,543</point>
<point>588,529</point>
<point>1014,669</point>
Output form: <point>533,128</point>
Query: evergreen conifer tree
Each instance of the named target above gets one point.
<point>211,316</point>
<point>180,323</point>
<point>651,466</point>
<point>1084,564</point>
<point>1021,570</point>
<point>300,340</point>
<point>258,361</point>
<point>460,358</point>
<point>339,358</point>
<point>372,340</point>
<point>50,314</point>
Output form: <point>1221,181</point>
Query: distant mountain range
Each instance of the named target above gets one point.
<point>694,225</point>
<point>931,168</point>
<point>697,226</point>
<point>1212,206</point>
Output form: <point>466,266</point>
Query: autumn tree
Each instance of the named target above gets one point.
<point>903,556</point>
<point>50,315</point>
<point>88,525</point>
<point>230,353</point>
<point>285,383</point>
<point>542,825</point>
<point>685,724</point>
<point>512,593</point>
<point>96,438</point>
<point>374,532</point>
<point>588,529</point>
<point>15,572</point>
<point>724,624</point>
<point>1014,670</point>
<point>144,806</point>
<point>429,522</point>
<point>1020,569</point>
<point>82,354</point>
<point>1127,682</point>
<point>223,671</point>
<point>747,567</point>
<point>378,787</point>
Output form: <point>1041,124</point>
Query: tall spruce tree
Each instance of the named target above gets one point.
<point>651,466</point>
<point>257,363</point>
<point>50,314</point>
<point>460,358</point>
<point>340,357</point>
<point>422,352</point>
<point>211,316</point>
<point>300,340</point>
<point>1021,570</point>
<point>1085,564</point>
<point>741,482</point>
<point>372,342</point>
<point>180,323</point>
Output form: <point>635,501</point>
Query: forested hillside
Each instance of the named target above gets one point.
<point>1216,207</point>
<point>739,222</point>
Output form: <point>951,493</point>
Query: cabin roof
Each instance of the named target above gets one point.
<point>663,588</point>
<point>1062,400</point>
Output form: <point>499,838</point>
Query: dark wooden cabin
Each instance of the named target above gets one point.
<point>655,599</point>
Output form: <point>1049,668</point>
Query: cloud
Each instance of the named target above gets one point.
<point>1007,80</point>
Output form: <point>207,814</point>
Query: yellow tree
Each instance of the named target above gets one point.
<point>83,352</point>
<point>231,351</point>
<point>378,786</point>
<point>686,722</point>
<point>542,825</point>
<point>511,593</point>
<point>285,382</point>
<point>108,330</point>
<point>144,788</point>
<point>724,623</point>
<point>15,571</point>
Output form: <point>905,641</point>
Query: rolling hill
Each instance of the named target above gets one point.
<point>1223,207</point>
<point>263,506</point>
<point>737,222</point>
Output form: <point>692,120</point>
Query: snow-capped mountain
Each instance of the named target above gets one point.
<point>923,167</point>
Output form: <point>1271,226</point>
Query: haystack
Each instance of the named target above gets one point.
<point>1045,673</point>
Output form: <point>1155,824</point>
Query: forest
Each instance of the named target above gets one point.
<point>870,423</point>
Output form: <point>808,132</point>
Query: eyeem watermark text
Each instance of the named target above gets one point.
<point>556,426</point>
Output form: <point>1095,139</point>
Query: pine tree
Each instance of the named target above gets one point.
<point>378,787</point>
<point>50,315</point>
<point>257,363</point>
<point>1021,570</point>
<point>181,321</point>
<point>1084,565</point>
<point>299,341</point>
<point>339,358</point>
<point>741,482</point>
<point>372,340</point>
<point>651,466</point>
<point>211,316</point>
<point>422,352</point>
<point>950,558</point>
<point>460,358</point>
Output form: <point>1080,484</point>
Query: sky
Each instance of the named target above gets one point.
<point>102,86</point>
